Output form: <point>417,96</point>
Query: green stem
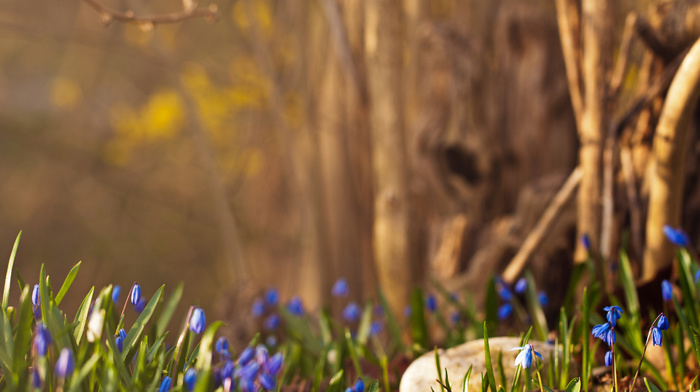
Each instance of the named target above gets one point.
<point>644,351</point>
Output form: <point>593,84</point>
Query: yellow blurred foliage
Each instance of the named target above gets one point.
<point>135,35</point>
<point>261,11</point>
<point>65,93</point>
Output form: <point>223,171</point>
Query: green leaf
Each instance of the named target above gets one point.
<point>140,324</point>
<point>156,346</point>
<point>391,322</point>
<point>465,380</point>
<point>565,335</point>
<point>8,275</point>
<point>67,283</point>
<point>336,383</point>
<point>318,371</point>
<point>439,369</point>
<point>353,354</point>
<point>586,356</point>
<point>203,381</point>
<point>650,386</point>
<point>533,303</point>
<point>574,385</point>
<point>7,346</point>
<point>365,323</point>
<point>419,329</point>
<point>374,386</point>
<point>205,346</point>
<point>83,372</point>
<point>169,310</point>
<point>81,318</point>
<point>23,333</point>
<point>491,307</point>
<point>489,366</point>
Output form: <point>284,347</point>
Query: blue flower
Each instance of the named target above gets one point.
<point>586,241</point>
<point>504,311</point>
<point>227,370</point>
<point>340,288</point>
<point>697,276</point>
<point>662,323</point>
<point>135,294</point>
<point>42,339</point>
<point>295,306</point>
<point>221,347</point>
<point>267,382</point>
<point>609,358</point>
<point>36,296</point>
<point>198,321</point>
<point>272,296</point>
<point>542,297</point>
<point>379,310</point>
<point>503,290</point>
<point>614,314</point>
<point>272,322</point>
<point>271,341</point>
<point>525,356</point>
<point>601,331</point>
<point>65,363</point>
<point>119,340</point>
<point>141,305</point>
<point>359,386</point>
<point>666,290</point>
<point>407,311</point>
<point>431,303</point>
<point>36,378</point>
<point>520,286</point>
<point>116,291</point>
<point>351,312</point>
<point>165,384</point>
<point>455,317</point>
<point>258,308</point>
<point>261,354</point>
<point>190,378</point>
<point>246,356</point>
<point>274,364</point>
<point>375,328</point>
<point>656,336</point>
<point>676,236</point>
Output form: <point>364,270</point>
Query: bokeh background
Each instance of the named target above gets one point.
<point>242,154</point>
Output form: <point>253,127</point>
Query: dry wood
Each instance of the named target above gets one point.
<point>190,11</point>
<point>541,229</point>
<point>668,162</point>
<point>567,20</point>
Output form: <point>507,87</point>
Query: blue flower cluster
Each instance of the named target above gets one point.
<point>252,370</point>
<point>606,331</point>
<point>505,310</point>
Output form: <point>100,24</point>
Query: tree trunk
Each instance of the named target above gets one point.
<point>392,205</point>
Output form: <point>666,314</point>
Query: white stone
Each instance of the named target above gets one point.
<point>422,373</point>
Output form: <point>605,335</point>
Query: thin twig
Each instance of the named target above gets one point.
<point>190,11</point>
<point>567,20</point>
<point>542,227</point>
<point>624,55</point>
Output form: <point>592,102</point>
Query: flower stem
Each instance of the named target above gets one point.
<point>644,351</point>
<point>126,301</point>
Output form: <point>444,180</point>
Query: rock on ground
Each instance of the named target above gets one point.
<point>422,373</point>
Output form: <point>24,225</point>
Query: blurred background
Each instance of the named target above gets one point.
<point>271,148</point>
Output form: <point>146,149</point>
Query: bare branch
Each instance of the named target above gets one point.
<point>567,20</point>
<point>190,11</point>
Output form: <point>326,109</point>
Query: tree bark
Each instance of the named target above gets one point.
<point>668,163</point>
<point>596,64</point>
<point>392,205</point>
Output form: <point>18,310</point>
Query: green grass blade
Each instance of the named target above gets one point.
<point>7,346</point>
<point>318,371</point>
<point>140,324</point>
<point>574,385</point>
<point>565,337</point>
<point>393,325</point>
<point>22,339</point>
<point>489,365</point>
<point>439,369</point>
<point>336,383</point>
<point>585,340</point>
<point>374,386</point>
<point>67,283</point>
<point>81,318</point>
<point>533,303</point>
<point>465,380</point>
<point>83,372</point>
<point>168,310</point>
<point>365,323</point>
<point>353,353</point>
<point>650,386</point>
<point>8,275</point>
<point>687,283</point>
<point>205,346</point>
<point>419,328</point>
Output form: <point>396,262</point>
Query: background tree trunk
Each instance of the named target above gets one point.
<point>392,229</point>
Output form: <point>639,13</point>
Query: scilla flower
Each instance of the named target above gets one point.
<point>165,384</point>
<point>42,339</point>
<point>520,286</point>
<point>198,321</point>
<point>272,296</point>
<point>662,323</point>
<point>526,355</point>
<point>431,303</point>
<point>504,311</point>
<point>295,306</point>
<point>65,363</point>
<point>190,378</point>
<point>608,358</point>
<point>340,288</point>
<point>351,312</point>
<point>666,290</point>
<point>656,336</point>
<point>614,314</point>
<point>36,296</point>
<point>116,290</point>
<point>135,294</point>
<point>676,236</point>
